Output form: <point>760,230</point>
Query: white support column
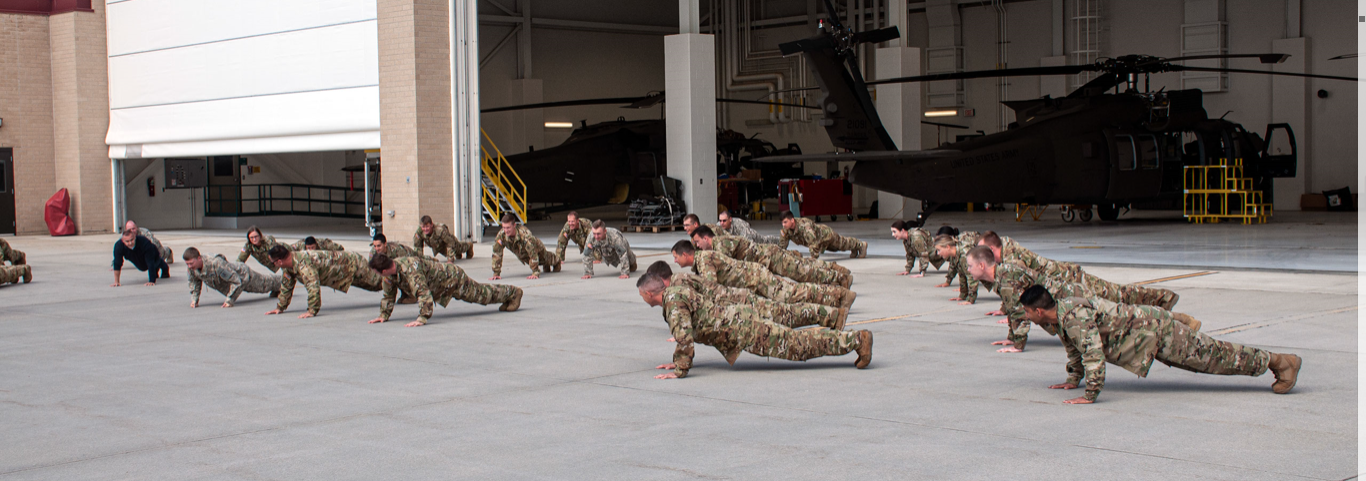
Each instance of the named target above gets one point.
<point>466,138</point>
<point>690,113</point>
<point>1289,100</point>
<point>898,105</point>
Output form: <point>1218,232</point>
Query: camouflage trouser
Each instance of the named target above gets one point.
<point>769,239</point>
<point>802,269</point>
<point>795,315</point>
<point>463,288</point>
<point>834,243</point>
<point>749,332</point>
<point>13,274</point>
<point>794,292</point>
<point>14,256</point>
<point>257,283</point>
<point>1131,294</point>
<point>544,261</point>
<point>454,250</point>
<point>925,261</point>
<point>166,254</point>
<point>1197,352</point>
<point>578,237</point>
<point>967,285</point>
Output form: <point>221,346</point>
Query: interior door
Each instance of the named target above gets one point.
<point>7,191</point>
<point>225,186</point>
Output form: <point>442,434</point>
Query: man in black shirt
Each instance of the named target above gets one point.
<point>143,254</point>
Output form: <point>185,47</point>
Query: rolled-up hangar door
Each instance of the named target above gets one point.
<point>203,78</point>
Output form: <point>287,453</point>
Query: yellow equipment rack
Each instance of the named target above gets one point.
<point>1219,191</point>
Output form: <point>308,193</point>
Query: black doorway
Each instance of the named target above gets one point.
<point>7,191</point>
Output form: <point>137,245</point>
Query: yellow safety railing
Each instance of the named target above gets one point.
<point>1219,191</point>
<point>505,182</point>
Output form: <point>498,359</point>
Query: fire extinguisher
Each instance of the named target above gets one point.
<point>151,187</point>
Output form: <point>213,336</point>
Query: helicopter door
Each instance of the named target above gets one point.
<point>1135,168</point>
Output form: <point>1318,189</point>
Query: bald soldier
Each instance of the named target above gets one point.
<point>441,240</point>
<point>730,225</point>
<point>792,315</point>
<point>735,328</point>
<point>437,282</point>
<point>755,277</point>
<point>609,245</point>
<point>166,254</point>
<point>338,270</point>
<point>228,278</point>
<point>9,254</point>
<point>819,237</point>
<point>1094,331</point>
<point>575,229</point>
<point>528,249</point>
<point>778,260</point>
<point>1012,278</point>
<point>919,247</point>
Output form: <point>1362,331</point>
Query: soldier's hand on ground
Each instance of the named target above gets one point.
<point>194,305</point>
<point>667,376</point>
<point>955,298</point>
<point>227,304</point>
<point>274,312</point>
<point>115,284</point>
<point>667,366</point>
<point>415,324</point>
<point>1066,385</point>
<point>996,313</point>
<point>149,284</point>
<point>533,276</point>
<point>965,303</point>
<point>597,261</point>
<point>1080,400</point>
<point>377,320</point>
<point>1003,321</point>
<point>922,274</point>
<point>1006,342</point>
<point>305,315</point>
<point>1010,349</point>
<point>669,340</point>
<point>494,278</point>
<point>903,273</point>
<point>586,277</point>
<point>624,276</point>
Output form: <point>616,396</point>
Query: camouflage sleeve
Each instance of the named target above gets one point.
<point>386,301</point>
<point>624,255</point>
<point>245,254</point>
<point>910,257</point>
<point>953,271</point>
<point>309,277</point>
<point>286,291</point>
<point>533,260</point>
<point>418,283</point>
<point>235,284</point>
<point>562,242</point>
<point>680,325</point>
<point>195,286</point>
<point>965,281</point>
<point>706,270</point>
<point>1018,332</point>
<point>1085,339</point>
<point>784,238</point>
<point>497,257</point>
<point>588,258</point>
<point>1075,369</point>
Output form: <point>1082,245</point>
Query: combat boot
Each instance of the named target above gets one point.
<point>848,300</point>
<point>513,303</point>
<point>633,266</point>
<point>846,280</point>
<point>1191,322</point>
<point>865,349</point>
<point>842,269</point>
<point>469,254</point>
<point>28,274</point>
<point>1286,367</point>
<point>841,315</point>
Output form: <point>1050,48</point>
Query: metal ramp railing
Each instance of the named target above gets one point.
<point>504,190</point>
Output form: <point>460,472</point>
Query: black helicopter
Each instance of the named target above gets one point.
<point>1088,148</point>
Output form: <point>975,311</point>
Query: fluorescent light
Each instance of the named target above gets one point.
<point>941,113</point>
<point>559,125</point>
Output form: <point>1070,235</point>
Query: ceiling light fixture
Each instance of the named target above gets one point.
<point>559,125</point>
<point>941,113</point>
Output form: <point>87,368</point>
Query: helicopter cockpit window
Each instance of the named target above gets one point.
<point>1148,155</point>
<point>1126,158</point>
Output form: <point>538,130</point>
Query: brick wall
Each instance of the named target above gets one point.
<point>80,92</point>
<point>26,107</point>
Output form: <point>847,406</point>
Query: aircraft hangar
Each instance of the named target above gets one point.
<point>1204,147</point>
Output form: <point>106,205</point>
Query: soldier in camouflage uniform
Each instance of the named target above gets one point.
<point>919,247</point>
<point>691,222</point>
<point>729,225</point>
<point>435,282</point>
<point>792,315</point>
<point>13,256</point>
<point>1094,331</point>
<point>778,260</point>
<point>609,245</point>
<point>338,270</point>
<point>441,240</point>
<point>819,237</point>
<point>1012,278</point>
<point>380,245</point>
<point>166,254</point>
<point>258,247</point>
<point>311,243</point>
<point>229,278</point>
<point>13,274</point>
<point>525,246</point>
<point>954,249</point>
<point>729,272</point>
<point>735,328</point>
<point>576,229</point>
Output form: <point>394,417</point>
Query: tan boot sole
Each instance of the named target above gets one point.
<point>512,304</point>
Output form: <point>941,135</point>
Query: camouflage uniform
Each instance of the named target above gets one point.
<point>338,270</point>
<point>435,281</point>
<point>260,253</point>
<point>781,261</point>
<point>13,274</point>
<point>324,244</point>
<point>740,228</point>
<point>166,254</point>
<point>755,277</point>
<point>820,238</point>
<point>920,246</point>
<point>958,266</point>
<point>527,248</point>
<point>1094,331</point>
<point>1069,280</point>
<point>613,250</point>
<point>576,232</point>
<point>230,279</point>
<point>14,256</point>
<point>1013,251</point>
<point>395,250</point>
<point>780,313</point>
<point>731,329</point>
<point>442,242</point>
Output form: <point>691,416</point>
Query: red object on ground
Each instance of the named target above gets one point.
<point>819,197</point>
<point>58,222</point>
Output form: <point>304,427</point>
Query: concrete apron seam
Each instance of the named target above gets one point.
<point>1272,322</point>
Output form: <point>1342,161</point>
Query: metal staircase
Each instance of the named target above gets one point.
<point>504,190</point>
<point>1219,191</point>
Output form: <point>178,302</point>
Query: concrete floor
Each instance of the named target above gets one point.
<point>130,383</point>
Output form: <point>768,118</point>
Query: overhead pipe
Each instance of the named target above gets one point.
<point>736,82</point>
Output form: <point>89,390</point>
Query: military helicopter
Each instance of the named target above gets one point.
<point>1091,147</point>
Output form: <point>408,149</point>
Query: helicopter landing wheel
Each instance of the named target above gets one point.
<point>1085,214</point>
<point>1068,215</point>
<point>1108,212</point>
<point>849,217</point>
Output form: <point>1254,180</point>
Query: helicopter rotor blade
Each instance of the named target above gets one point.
<point>566,103</point>
<point>833,15</point>
<point>1262,57</point>
<point>1340,57</point>
<point>762,102</point>
<point>1177,68</point>
<point>1006,72</point>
